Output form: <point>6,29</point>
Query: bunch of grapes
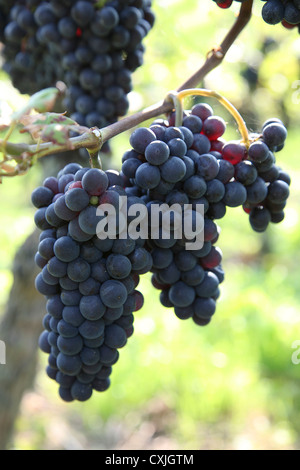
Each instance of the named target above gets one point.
<point>5,7</point>
<point>282,11</point>
<point>27,60</point>
<point>89,283</point>
<point>93,49</point>
<point>192,164</point>
<point>286,12</point>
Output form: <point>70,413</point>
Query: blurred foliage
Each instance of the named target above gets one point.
<point>232,384</point>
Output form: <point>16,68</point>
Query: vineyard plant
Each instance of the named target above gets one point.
<point>149,224</point>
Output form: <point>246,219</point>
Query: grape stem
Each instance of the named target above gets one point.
<point>93,143</point>
<point>223,101</point>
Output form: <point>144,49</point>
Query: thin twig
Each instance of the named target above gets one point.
<point>86,140</point>
<point>217,56</point>
<point>135,119</point>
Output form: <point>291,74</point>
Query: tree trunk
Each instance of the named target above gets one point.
<point>20,330</point>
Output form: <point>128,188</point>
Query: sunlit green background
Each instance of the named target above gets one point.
<point>231,385</point>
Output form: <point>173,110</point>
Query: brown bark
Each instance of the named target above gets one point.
<point>20,330</point>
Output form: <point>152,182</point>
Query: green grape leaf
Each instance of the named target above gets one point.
<point>50,127</point>
<point>57,134</point>
<point>41,102</point>
<point>54,118</point>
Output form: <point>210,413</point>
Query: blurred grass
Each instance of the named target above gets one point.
<point>231,384</point>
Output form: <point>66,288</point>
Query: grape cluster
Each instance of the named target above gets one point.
<point>93,49</point>
<point>286,12</point>
<point>4,13</point>
<point>192,164</point>
<point>267,184</point>
<point>282,11</point>
<point>27,60</point>
<point>89,283</point>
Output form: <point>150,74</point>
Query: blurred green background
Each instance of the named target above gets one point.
<point>231,385</point>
